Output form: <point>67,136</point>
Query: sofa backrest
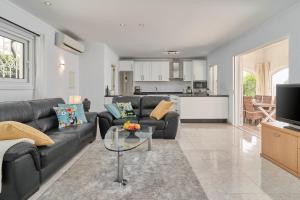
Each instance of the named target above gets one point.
<point>44,114</point>
<point>148,103</point>
<point>135,102</point>
<point>20,111</point>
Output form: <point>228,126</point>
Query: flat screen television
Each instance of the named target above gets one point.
<point>288,104</point>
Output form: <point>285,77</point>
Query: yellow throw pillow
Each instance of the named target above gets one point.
<point>10,130</point>
<point>161,109</point>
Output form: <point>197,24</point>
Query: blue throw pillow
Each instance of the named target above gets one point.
<point>113,109</point>
<point>80,115</point>
<point>63,116</point>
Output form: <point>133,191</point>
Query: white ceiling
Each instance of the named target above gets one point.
<point>194,27</point>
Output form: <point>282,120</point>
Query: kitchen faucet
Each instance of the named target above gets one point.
<point>155,89</point>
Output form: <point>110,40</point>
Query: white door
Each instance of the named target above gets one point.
<point>187,70</point>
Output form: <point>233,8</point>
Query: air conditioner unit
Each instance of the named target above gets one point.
<point>66,42</point>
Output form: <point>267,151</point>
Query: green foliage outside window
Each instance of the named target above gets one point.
<point>8,66</point>
<point>249,84</point>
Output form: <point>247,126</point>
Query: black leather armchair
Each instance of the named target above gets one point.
<point>143,106</point>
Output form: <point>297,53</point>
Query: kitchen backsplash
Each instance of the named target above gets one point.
<point>170,86</point>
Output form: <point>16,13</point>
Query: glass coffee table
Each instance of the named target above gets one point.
<point>119,140</point>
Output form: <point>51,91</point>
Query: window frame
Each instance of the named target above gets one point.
<point>11,31</point>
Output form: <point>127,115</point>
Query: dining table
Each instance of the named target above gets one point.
<point>268,109</point>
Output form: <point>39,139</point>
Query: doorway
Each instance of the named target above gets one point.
<point>256,74</point>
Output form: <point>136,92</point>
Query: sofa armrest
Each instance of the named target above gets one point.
<point>172,120</point>
<point>105,122</point>
<point>106,115</point>
<point>20,172</point>
<point>91,116</point>
<point>20,150</point>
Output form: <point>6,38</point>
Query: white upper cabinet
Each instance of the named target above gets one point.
<point>126,65</point>
<point>199,70</point>
<point>151,71</point>
<point>142,71</point>
<point>165,71</point>
<point>160,70</point>
<point>147,71</point>
<point>137,72</point>
<point>156,71</point>
<point>187,70</point>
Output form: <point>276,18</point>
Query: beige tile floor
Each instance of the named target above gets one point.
<point>228,165</point>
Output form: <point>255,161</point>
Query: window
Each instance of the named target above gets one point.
<point>213,79</point>
<point>16,57</point>
<point>11,59</point>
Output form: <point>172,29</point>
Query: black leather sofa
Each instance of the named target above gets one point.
<point>26,166</point>
<point>165,128</point>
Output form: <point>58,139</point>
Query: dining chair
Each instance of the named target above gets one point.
<point>251,113</point>
<point>258,98</point>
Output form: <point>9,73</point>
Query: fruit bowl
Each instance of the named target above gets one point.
<point>131,127</point>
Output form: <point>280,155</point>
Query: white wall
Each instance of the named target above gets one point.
<point>280,26</point>
<point>95,73</point>
<point>276,54</point>
<point>91,75</point>
<point>51,82</point>
<point>110,58</point>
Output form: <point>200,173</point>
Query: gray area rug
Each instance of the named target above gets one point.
<point>161,174</point>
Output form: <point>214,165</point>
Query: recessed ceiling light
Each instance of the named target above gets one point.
<point>47,3</point>
<point>172,52</point>
<point>122,25</point>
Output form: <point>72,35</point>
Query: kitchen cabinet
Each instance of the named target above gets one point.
<point>204,109</point>
<point>187,70</point>
<point>138,71</point>
<point>126,65</point>
<point>160,71</point>
<point>142,71</point>
<point>151,71</point>
<point>199,70</point>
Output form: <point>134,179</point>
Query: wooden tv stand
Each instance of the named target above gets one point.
<point>281,146</point>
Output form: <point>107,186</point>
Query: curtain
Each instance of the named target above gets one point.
<point>263,79</point>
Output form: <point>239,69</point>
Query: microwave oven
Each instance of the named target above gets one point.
<point>200,84</point>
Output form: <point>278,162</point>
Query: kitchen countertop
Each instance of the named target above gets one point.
<point>180,94</point>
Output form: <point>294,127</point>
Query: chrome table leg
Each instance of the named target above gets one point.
<point>120,178</point>
<point>150,144</point>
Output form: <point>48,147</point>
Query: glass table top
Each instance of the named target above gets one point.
<point>118,139</point>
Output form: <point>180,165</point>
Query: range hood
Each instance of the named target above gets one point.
<point>176,69</point>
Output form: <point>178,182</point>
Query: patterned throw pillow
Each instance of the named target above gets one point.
<point>66,116</point>
<point>113,109</point>
<point>126,110</point>
<point>79,112</point>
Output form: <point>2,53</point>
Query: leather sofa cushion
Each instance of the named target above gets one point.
<point>159,124</point>
<point>82,131</point>
<point>44,113</point>
<point>122,121</point>
<point>148,103</point>
<point>64,144</point>
<point>135,102</point>
<point>16,111</point>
